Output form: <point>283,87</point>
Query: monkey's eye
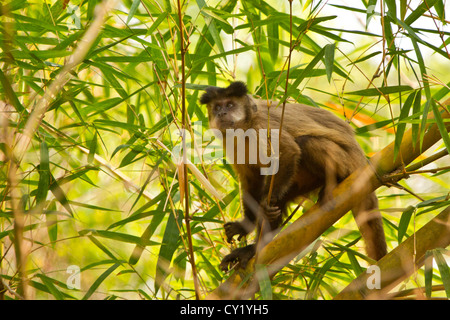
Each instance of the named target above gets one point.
<point>217,107</point>
<point>230,105</point>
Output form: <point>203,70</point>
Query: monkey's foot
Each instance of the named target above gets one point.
<point>233,228</point>
<point>240,256</point>
<point>272,213</point>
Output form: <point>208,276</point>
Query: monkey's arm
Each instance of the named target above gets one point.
<point>251,188</point>
<point>289,157</point>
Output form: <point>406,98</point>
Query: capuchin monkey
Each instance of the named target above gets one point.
<point>315,151</point>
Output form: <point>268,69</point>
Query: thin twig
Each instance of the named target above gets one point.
<point>187,218</point>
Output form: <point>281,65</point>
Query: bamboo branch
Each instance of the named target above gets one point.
<point>403,260</point>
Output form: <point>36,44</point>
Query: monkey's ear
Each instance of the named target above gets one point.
<point>236,89</point>
<point>253,105</point>
<point>210,94</point>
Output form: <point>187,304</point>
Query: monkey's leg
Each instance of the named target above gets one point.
<point>369,221</point>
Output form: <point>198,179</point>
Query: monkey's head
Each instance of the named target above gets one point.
<point>230,107</point>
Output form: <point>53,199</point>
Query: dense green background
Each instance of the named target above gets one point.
<point>97,186</point>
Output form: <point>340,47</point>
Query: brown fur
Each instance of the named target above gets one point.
<point>317,151</point>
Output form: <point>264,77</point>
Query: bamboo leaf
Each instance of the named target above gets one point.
<point>428,274</point>
<point>404,222</point>
<point>372,92</point>
<point>99,281</point>
<point>59,194</point>
<point>121,237</point>
<point>419,11</point>
<point>305,72</point>
<point>264,282</point>
<point>48,282</point>
<point>443,269</point>
<point>402,126</point>
<point>168,247</point>
<point>441,125</point>
<point>133,9</point>
<point>273,43</point>
<point>92,149</point>
<point>44,174</point>
<point>329,60</point>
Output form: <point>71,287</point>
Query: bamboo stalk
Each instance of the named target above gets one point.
<point>185,182</point>
<point>403,261</point>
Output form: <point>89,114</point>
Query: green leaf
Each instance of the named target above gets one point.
<point>222,55</point>
<point>403,8</point>
<point>48,282</point>
<point>149,178</point>
<point>211,268</point>
<point>419,11</point>
<point>210,20</point>
<point>428,273</point>
<point>134,217</point>
<point>273,40</point>
<point>305,72</point>
<point>168,247</point>
<point>92,149</point>
<point>156,221</point>
<point>440,9</point>
<point>264,282</point>
<point>404,222</point>
<point>443,270</point>
<point>102,247</point>
<point>51,220</point>
<point>122,237</point>
<point>379,91</point>
<point>133,9</point>
<point>354,262</point>
<point>441,125</point>
<point>416,110</point>
<point>392,7</point>
<point>329,59</point>
<point>44,175</point>
<point>404,112</point>
<point>59,194</point>
<point>99,280</point>
<point>11,96</point>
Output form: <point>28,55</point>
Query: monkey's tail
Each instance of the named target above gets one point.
<point>370,224</point>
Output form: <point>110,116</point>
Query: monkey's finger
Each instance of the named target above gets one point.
<point>227,261</point>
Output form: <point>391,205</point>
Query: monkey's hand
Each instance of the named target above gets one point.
<point>240,256</point>
<point>233,228</point>
<point>271,212</point>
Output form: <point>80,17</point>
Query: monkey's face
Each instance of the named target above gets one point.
<point>227,113</point>
<point>229,108</point>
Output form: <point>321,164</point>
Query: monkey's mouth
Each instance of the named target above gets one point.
<point>223,124</point>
